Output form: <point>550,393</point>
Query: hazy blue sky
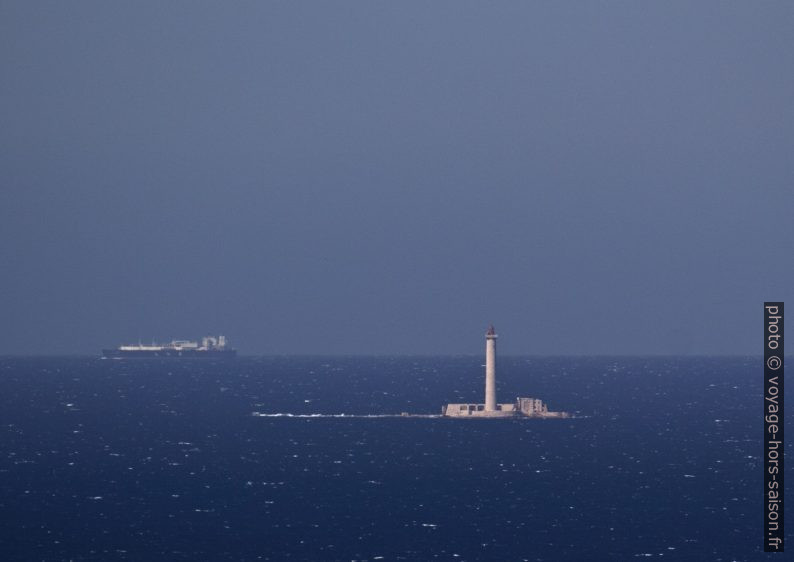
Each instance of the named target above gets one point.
<point>390,177</point>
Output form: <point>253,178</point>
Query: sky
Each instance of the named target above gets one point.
<point>366,177</point>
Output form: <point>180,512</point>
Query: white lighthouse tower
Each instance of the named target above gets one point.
<point>490,369</point>
<point>523,407</point>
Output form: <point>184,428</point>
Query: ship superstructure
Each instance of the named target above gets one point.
<point>210,346</point>
<point>522,407</point>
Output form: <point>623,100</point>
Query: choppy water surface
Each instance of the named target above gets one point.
<point>163,460</point>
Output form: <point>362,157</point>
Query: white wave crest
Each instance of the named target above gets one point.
<point>356,416</point>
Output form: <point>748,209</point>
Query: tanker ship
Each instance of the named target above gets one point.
<point>210,348</point>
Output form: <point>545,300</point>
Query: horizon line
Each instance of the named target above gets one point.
<point>407,355</point>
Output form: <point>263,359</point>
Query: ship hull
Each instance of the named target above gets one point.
<point>170,353</point>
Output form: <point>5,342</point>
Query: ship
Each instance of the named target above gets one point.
<point>209,348</point>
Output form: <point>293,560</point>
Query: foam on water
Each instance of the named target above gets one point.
<point>347,416</point>
<point>164,460</point>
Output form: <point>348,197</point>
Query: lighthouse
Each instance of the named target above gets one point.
<point>490,370</point>
<point>522,407</point>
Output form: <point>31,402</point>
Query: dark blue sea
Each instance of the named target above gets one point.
<point>163,460</point>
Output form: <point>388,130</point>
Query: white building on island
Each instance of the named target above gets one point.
<point>522,407</point>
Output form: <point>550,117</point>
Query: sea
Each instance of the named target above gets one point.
<point>171,459</point>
